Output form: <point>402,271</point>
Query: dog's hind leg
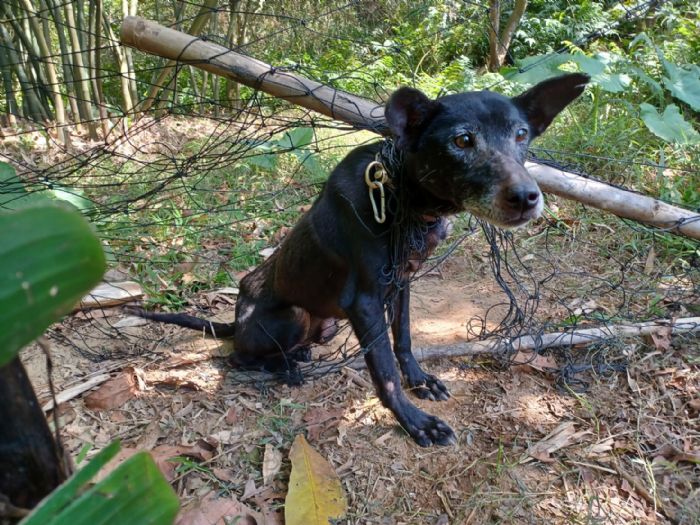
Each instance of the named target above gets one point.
<point>422,384</point>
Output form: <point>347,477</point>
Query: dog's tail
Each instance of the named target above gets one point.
<point>187,321</point>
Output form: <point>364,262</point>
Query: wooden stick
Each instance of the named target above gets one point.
<point>622,203</point>
<point>494,346</point>
<point>553,340</point>
<point>156,39</point>
<point>361,113</point>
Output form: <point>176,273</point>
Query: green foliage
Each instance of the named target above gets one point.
<point>135,493</point>
<point>670,125</point>
<point>50,258</point>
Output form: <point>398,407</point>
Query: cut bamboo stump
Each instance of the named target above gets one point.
<point>361,113</point>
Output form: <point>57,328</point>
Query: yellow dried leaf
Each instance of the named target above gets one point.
<point>315,494</point>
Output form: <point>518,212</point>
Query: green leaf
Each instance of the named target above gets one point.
<point>532,70</point>
<point>13,194</point>
<point>670,126</point>
<point>538,68</point>
<point>310,162</point>
<point>74,197</point>
<point>67,492</point>
<point>135,493</point>
<point>49,257</point>
<point>265,161</point>
<point>297,138</point>
<point>684,84</point>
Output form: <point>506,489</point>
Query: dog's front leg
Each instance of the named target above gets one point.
<point>422,384</point>
<point>367,318</point>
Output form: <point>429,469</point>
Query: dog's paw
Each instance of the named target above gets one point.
<point>428,430</point>
<point>292,377</point>
<point>429,387</point>
<point>301,354</point>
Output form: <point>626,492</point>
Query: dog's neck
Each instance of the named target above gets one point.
<point>409,194</point>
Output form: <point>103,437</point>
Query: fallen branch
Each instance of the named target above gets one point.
<point>361,113</point>
<point>568,338</point>
<point>496,346</point>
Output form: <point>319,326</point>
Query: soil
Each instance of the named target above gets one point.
<point>624,450</point>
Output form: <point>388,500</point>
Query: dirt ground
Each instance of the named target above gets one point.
<point>627,450</point>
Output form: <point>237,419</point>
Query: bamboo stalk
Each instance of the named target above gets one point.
<point>82,75</point>
<point>44,43</point>
<point>365,114</point>
<point>197,26</point>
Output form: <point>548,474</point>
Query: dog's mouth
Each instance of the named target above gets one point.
<point>507,218</point>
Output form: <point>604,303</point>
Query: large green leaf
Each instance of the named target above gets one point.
<point>68,491</point>
<point>13,194</point>
<point>535,69</point>
<point>670,125</point>
<point>297,138</point>
<point>684,84</point>
<point>135,493</point>
<point>49,257</point>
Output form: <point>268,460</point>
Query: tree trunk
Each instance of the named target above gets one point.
<point>32,64</point>
<point>123,68</point>
<point>44,42</point>
<point>499,41</point>
<point>30,463</point>
<point>97,82</point>
<point>129,8</point>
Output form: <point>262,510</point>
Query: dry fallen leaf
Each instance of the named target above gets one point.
<point>529,358</point>
<point>319,420</point>
<point>272,463</point>
<point>315,494</point>
<point>672,453</point>
<point>114,393</point>
<point>561,437</point>
<point>211,510</point>
<point>601,449</point>
<point>662,338</point>
<point>231,416</point>
<point>162,455</point>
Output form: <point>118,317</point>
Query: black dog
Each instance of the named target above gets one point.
<point>350,256</point>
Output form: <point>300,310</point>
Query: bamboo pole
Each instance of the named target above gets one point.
<point>361,113</point>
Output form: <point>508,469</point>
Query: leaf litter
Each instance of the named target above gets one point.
<point>625,451</point>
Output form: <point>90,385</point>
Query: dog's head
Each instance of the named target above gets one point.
<point>467,150</point>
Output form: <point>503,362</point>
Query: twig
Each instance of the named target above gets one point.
<point>644,493</point>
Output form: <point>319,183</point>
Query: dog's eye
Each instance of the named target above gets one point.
<point>467,140</point>
<point>520,135</point>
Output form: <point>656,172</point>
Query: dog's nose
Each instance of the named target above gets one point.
<point>523,197</point>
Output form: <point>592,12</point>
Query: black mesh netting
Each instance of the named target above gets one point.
<point>202,177</point>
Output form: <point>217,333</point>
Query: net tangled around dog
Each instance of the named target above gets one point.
<point>194,136</point>
<point>191,193</point>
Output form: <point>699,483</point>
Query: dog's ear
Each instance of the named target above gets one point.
<point>406,112</point>
<point>544,101</point>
